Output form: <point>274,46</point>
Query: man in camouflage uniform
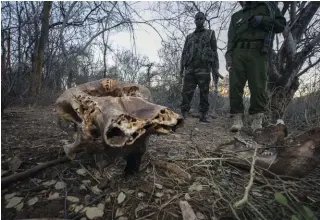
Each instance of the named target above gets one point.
<point>250,38</point>
<point>199,58</point>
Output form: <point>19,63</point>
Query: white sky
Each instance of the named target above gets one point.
<point>148,42</point>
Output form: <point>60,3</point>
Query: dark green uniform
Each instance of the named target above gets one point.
<point>245,57</point>
<point>199,58</point>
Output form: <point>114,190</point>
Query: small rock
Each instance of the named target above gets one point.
<point>159,194</point>
<point>131,191</point>
<point>96,190</point>
<point>159,186</point>
<point>72,199</point>
<point>60,185</point>
<point>19,206</point>
<point>9,196</point>
<point>187,197</point>
<point>120,212</point>
<point>81,172</point>
<point>93,212</point>
<point>200,216</point>
<point>53,196</point>
<point>141,194</point>
<point>101,206</point>
<point>83,188</point>
<point>72,207</point>
<point>33,201</point>
<point>78,208</point>
<point>86,182</point>
<point>121,197</point>
<point>13,202</point>
<point>195,187</point>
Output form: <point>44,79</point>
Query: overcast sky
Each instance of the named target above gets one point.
<point>148,42</point>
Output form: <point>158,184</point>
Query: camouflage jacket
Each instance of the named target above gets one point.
<point>200,51</point>
<point>239,30</point>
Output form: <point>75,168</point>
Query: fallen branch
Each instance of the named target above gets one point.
<point>248,187</point>
<point>167,203</point>
<point>28,173</point>
<point>187,211</point>
<point>172,168</point>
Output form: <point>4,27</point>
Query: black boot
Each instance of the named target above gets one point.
<point>203,117</point>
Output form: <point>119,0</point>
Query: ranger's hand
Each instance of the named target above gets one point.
<point>228,66</point>
<point>215,72</point>
<point>254,21</point>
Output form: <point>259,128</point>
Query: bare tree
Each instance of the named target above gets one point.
<point>39,50</point>
<point>289,61</point>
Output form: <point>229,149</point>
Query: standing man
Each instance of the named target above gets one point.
<point>199,58</point>
<point>250,39</point>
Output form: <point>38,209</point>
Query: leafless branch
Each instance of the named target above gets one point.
<point>195,5</point>
<point>308,68</point>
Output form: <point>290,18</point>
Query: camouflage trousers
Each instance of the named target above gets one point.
<point>252,66</point>
<point>193,78</point>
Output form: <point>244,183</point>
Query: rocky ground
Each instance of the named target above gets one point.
<point>30,136</point>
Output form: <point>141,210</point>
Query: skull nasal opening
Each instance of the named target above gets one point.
<point>116,136</point>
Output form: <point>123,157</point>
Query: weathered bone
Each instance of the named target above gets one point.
<point>112,114</point>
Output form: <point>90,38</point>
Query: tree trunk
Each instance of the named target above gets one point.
<point>105,45</point>
<point>70,77</point>
<point>285,66</point>
<point>39,52</point>
<point>3,71</point>
<point>5,66</point>
<point>19,38</point>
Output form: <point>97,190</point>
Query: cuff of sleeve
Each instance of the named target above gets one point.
<point>228,57</point>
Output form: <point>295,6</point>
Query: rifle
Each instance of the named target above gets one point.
<point>268,39</point>
<point>215,75</point>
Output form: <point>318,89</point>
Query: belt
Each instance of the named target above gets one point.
<point>249,44</point>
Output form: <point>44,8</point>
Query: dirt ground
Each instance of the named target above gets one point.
<point>32,135</point>
<point>69,190</point>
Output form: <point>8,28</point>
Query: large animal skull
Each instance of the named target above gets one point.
<point>112,114</point>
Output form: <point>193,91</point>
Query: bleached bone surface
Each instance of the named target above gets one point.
<point>113,112</point>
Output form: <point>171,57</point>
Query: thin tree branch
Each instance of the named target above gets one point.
<point>195,5</point>
<point>301,56</point>
<point>308,68</point>
<point>248,187</point>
